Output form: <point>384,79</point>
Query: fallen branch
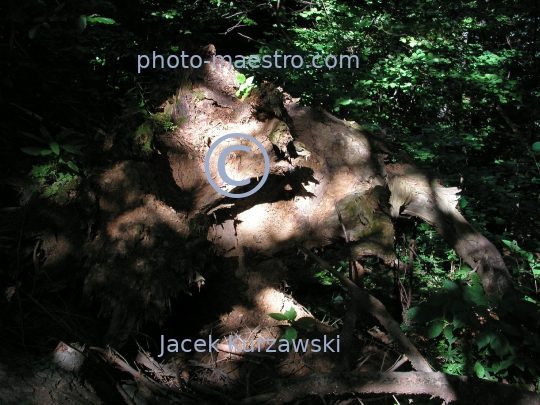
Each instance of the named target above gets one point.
<point>450,388</point>
<point>378,310</point>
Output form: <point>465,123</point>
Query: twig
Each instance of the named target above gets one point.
<point>325,10</point>
<point>472,271</point>
<point>124,394</point>
<point>114,357</point>
<point>280,27</point>
<point>397,364</point>
<point>251,39</point>
<point>347,239</point>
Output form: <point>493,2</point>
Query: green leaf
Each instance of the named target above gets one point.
<point>536,146</point>
<point>479,370</point>
<point>344,101</point>
<point>506,363</point>
<point>452,287</point>
<point>434,329</point>
<point>34,137</point>
<point>474,295</point>
<point>449,335</point>
<point>55,148</point>
<point>34,31</point>
<point>71,149</point>
<point>101,20</point>
<point>32,150</point>
<point>422,314</point>
<point>500,344</point>
<point>304,323</point>
<point>278,317</point>
<point>462,202</point>
<point>73,166</point>
<point>511,245</point>
<point>241,78</point>
<point>290,314</point>
<point>483,339</point>
<point>289,335</point>
<point>64,134</point>
<point>45,134</point>
<point>81,23</point>
<point>46,152</point>
<point>460,319</point>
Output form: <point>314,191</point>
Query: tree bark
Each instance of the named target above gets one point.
<point>471,391</point>
<point>412,193</point>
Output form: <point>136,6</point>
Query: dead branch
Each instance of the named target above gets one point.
<point>448,387</point>
<point>378,310</point>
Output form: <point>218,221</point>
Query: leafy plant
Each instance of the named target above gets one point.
<point>54,146</point>
<point>60,151</point>
<point>163,123</point>
<point>326,278</point>
<point>50,179</point>
<point>476,330</point>
<point>534,264</point>
<point>290,316</point>
<point>246,85</point>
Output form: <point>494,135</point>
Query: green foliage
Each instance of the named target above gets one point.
<point>144,136</point>
<point>290,316</point>
<point>61,152</point>
<point>534,264</point>
<point>199,94</point>
<point>289,335</point>
<point>327,278</point>
<point>71,146</point>
<point>475,334</point>
<point>246,85</point>
<point>51,181</point>
<point>162,123</point>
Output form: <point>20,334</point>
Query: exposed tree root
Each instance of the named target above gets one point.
<point>451,388</point>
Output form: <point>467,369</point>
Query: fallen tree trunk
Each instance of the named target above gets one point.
<point>413,194</point>
<point>450,388</point>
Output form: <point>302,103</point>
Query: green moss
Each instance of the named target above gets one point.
<point>199,94</point>
<point>61,189</point>
<point>181,120</point>
<point>371,229</point>
<point>144,136</point>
